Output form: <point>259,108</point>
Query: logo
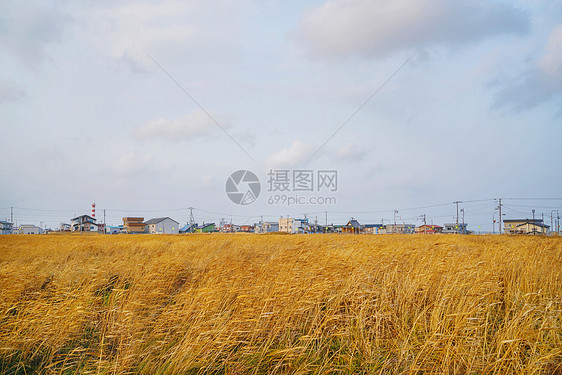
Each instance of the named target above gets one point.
<point>243,187</point>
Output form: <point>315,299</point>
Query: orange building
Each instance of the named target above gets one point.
<point>133,224</point>
<point>429,229</point>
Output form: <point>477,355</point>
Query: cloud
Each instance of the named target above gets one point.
<point>374,28</point>
<point>130,163</point>
<point>350,152</point>
<point>540,83</point>
<point>128,31</point>
<point>194,125</point>
<point>28,27</point>
<point>289,157</point>
<point>9,93</point>
<point>551,62</point>
<point>208,180</point>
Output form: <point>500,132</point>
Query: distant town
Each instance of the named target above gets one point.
<point>167,225</point>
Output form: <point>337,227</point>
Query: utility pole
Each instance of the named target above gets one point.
<point>457,203</point>
<point>395,212</point>
<point>463,230</point>
<point>534,228</point>
<point>500,219</point>
<point>12,216</point>
<point>316,224</point>
<point>192,220</point>
<point>104,217</point>
<point>424,225</point>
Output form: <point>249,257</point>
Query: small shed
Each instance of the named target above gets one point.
<point>372,228</point>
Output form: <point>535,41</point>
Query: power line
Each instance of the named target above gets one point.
<point>525,206</point>
<point>433,212</point>
<point>361,107</point>
<point>534,199</point>
<point>201,107</point>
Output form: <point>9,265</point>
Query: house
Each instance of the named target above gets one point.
<point>246,228</point>
<point>290,225</point>
<point>205,228</point>
<point>83,223</point>
<point>331,228</point>
<point>429,229</point>
<point>133,224</point>
<point>162,225</point>
<point>267,227</point>
<point>372,228</point>
<point>287,225</point>
<point>230,228</point>
<point>30,229</point>
<point>188,228</point>
<point>65,227</point>
<point>398,229</point>
<point>315,228</point>
<point>525,226</point>
<point>113,229</point>
<point>454,228</point>
<point>352,226</point>
<point>5,227</point>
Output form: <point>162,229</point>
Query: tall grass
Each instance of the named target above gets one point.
<point>241,304</point>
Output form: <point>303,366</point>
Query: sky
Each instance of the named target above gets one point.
<point>147,108</point>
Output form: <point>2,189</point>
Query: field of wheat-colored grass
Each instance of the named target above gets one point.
<point>266,304</point>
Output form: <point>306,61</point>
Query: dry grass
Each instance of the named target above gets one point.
<point>238,304</point>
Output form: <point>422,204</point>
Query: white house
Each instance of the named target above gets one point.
<point>290,225</point>
<point>84,223</point>
<point>162,225</point>
<point>453,228</point>
<point>398,229</point>
<point>267,227</point>
<point>30,229</point>
<point>113,229</point>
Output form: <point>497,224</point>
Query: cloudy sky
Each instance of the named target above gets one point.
<point>146,107</point>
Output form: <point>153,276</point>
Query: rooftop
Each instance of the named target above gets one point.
<point>83,216</point>
<point>158,220</point>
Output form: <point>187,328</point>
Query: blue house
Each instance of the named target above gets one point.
<point>188,228</point>
<point>5,227</point>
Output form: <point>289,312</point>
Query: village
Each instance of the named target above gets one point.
<point>289,225</point>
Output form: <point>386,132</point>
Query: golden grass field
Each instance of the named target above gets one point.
<point>280,304</point>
